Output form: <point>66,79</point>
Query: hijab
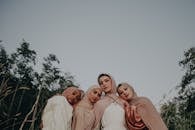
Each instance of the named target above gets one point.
<point>81,119</point>
<point>106,100</point>
<point>150,118</point>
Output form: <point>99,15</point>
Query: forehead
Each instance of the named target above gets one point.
<point>96,89</point>
<point>104,77</point>
<point>71,90</point>
<point>122,87</point>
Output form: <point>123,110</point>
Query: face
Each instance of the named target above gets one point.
<point>94,95</point>
<point>74,96</point>
<point>105,83</point>
<point>125,92</point>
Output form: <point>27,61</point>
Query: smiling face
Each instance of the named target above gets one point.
<point>125,92</point>
<point>94,95</point>
<point>105,83</point>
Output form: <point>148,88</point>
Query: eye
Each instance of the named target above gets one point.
<point>120,92</point>
<point>106,80</point>
<point>100,82</point>
<point>99,94</point>
<point>74,93</point>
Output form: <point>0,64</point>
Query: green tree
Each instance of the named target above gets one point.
<point>179,113</point>
<point>23,90</point>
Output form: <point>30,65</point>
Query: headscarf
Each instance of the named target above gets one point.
<point>80,120</point>
<point>150,118</point>
<point>85,101</point>
<point>106,100</point>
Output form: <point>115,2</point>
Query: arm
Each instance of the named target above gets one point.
<point>78,119</point>
<point>150,115</point>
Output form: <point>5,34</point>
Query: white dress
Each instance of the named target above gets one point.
<point>57,114</point>
<point>113,118</point>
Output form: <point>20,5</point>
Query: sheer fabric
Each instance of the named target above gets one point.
<point>57,114</point>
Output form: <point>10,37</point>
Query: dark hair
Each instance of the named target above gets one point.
<point>118,86</point>
<point>101,75</point>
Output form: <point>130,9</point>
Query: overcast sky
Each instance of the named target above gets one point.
<point>136,41</point>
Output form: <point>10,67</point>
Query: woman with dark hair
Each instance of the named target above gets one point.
<point>140,113</point>
<point>110,114</point>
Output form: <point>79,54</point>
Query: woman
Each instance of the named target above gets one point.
<point>109,110</point>
<point>83,115</point>
<point>57,114</point>
<point>140,113</point>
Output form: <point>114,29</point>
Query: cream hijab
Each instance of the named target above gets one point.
<point>106,100</point>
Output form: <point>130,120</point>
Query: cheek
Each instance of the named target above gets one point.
<point>109,87</point>
<point>71,97</point>
<point>92,99</point>
<point>123,96</point>
<point>90,96</point>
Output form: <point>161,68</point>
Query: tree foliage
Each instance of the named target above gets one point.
<point>23,90</point>
<point>179,113</point>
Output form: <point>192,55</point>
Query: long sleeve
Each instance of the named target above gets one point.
<point>149,115</point>
<point>78,119</point>
<point>133,120</point>
<point>57,114</point>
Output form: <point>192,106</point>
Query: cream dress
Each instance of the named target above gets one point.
<point>57,114</point>
<point>113,118</point>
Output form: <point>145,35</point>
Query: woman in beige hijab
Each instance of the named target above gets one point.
<point>57,114</point>
<point>83,115</point>
<point>140,113</point>
<point>110,114</point>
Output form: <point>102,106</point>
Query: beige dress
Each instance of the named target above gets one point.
<point>83,118</point>
<point>57,114</point>
<point>147,112</point>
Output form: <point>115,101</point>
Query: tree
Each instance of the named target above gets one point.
<point>23,90</point>
<point>179,114</point>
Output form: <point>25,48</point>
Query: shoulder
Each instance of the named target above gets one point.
<point>143,101</point>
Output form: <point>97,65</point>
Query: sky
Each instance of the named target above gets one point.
<point>136,41</point>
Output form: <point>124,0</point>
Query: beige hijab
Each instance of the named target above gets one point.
<point>106,100</point>
<point>146,110</point>
<point>84,117</point>
<point>85,101</point>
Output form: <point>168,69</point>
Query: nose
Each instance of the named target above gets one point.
<point>97,97</point>
<point>126,93</point>
<point>104,84</point>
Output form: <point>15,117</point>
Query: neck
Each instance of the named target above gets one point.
<point>109,93</point>
<point>87,103</point>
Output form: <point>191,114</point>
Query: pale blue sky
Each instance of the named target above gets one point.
<point>136,41</point>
